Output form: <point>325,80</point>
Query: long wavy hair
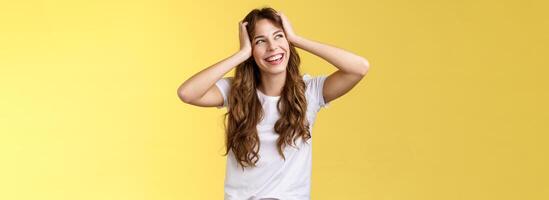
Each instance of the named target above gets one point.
<point>245,110</point>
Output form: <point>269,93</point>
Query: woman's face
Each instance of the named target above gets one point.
<point>270,48</point>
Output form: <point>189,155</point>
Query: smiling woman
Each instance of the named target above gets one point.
<point>271,106</point>
<point>270,46</point>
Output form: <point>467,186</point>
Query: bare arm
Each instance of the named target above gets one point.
<point>200,89</point>
<point>351,67</point>
<point>194,88</point>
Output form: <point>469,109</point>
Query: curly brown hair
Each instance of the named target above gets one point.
<point>245,110</point>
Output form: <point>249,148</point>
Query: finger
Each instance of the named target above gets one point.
<point>243,27</point>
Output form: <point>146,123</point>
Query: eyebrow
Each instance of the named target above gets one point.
<point>261,36</point>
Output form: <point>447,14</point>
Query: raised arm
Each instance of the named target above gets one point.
<point>200,89</point>
<point>351,67</point>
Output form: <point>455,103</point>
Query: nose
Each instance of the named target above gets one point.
<point>272,46</point>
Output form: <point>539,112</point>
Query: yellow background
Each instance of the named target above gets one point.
<point>454,106</point>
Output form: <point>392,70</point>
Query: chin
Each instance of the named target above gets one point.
<point>275,69</point>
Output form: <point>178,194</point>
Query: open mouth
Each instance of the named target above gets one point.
<point>275,59</point>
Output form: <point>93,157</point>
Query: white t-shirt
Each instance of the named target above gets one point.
<point>273,177</point>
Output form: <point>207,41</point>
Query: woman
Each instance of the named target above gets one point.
<point>271,107</point>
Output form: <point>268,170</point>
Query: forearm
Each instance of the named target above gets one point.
<point>343,60</point>
<point>196,86</point>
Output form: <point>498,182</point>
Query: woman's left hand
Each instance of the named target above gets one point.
<point>288,30</point>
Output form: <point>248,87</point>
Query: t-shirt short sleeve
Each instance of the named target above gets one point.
<point>315,87</point>
<point>224,86</point>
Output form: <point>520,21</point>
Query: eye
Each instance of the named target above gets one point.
<point>258,41</point>
<point>279,35</point>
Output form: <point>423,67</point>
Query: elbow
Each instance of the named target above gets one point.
<point>184,95</point>
<point>364,67</point>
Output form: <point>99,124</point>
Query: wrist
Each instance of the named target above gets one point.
<point>295,40</point>
<point>243,54</point>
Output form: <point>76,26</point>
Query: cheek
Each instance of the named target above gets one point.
<point>257,53</point>
<point>286,46</point>
<point>257,56</point>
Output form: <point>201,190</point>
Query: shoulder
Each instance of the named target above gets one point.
<point>224,83</point>
<point>307,78</point>
<point>313,82</point>
<point>226,79</point>
<point>314,89</point>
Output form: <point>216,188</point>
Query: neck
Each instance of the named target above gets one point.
<point>272,84</point>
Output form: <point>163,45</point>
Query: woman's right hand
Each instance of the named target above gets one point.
<point>245,44</point>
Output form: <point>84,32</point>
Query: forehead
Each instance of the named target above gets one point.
<point>265,27</point>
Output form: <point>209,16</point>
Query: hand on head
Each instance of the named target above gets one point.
<point>245,44</point>
<point>288,29</point>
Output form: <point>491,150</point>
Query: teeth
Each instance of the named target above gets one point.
<point>275,57</point>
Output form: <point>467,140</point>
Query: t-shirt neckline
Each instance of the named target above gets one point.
<point>267,96</point>
<point>274,97</point>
